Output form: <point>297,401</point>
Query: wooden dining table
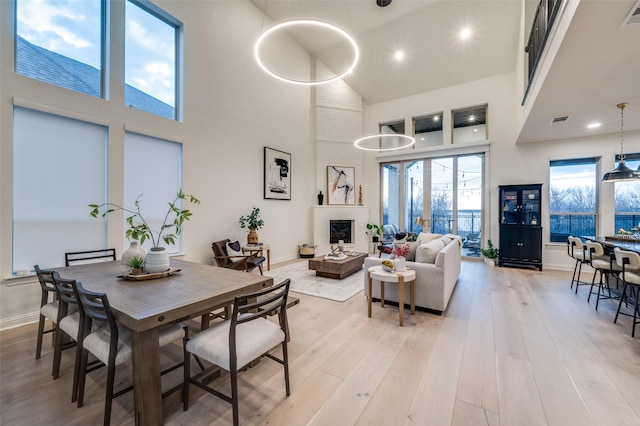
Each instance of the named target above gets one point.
<point>145,306</point>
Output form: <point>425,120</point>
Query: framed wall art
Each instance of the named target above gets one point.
<point>277,174</point>
<point>341,185</point>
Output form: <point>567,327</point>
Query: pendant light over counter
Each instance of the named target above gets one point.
<point>622,173</point>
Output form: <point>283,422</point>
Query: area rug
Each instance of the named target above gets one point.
<point>305,281</point>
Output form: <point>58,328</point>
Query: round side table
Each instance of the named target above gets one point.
<point>379,274</point>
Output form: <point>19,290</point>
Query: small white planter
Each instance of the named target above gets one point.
<point>490,262</point>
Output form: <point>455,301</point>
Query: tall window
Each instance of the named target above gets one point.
<point>151,52</point>
<point>428,130</point>
<point>60,42</point>
<point>572,198</point>
<point>469,124</point>
<point>59,168</point>
<point>414,195</point>
<point>438,195</point>
<point>627,195</point>
<point>157,187</point>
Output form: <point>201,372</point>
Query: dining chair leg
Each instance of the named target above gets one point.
<point>84,357</point>
<point>234,396</point>
<point>57,355</point>
<point>111,375</point>
<point>187,375</point>
<point>76,373</point>
<point>40,336</point>
<point>285,361</point>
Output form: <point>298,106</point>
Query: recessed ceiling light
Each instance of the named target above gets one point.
<point>593,125</point>
<point>399,55</point>
<point>465,33</point>
<point>421,139</point>
<point>436,118</point>
<point>475,130</point>
<point>472,118</point>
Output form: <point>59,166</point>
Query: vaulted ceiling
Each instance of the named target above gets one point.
<point>598,64</point>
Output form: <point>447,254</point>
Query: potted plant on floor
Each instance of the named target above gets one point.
<point>157,260</point>
<point>253,222</point>
<point>490,254</point>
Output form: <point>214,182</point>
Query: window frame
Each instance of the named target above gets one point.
<point>178,26</point>
<point>596,213</point>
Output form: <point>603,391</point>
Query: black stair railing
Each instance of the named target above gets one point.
<point>542,24</point>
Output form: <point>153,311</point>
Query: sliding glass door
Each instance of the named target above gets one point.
<point>439,195</point>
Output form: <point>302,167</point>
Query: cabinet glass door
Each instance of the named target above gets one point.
<point>510,207</point>
<point>530,207</point>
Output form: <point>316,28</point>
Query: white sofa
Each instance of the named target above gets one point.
<point>437,265</point>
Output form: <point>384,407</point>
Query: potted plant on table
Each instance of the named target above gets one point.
<point>157,260</point>
<point>136,263</point>
<point>490,254</point>
<point>253,222</point>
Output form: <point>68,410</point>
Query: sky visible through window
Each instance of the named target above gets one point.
<point>72,28</point>
<point>150,54</point>
<point>68,27</point>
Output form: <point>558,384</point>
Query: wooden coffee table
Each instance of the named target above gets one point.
<point>337,269</point>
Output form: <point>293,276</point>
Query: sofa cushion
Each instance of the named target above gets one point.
<point>426,253</point>
<point>425,237</point>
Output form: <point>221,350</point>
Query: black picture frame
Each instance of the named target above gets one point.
<point>277,174</point>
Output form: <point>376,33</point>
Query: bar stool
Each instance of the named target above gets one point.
<point>604,264</point>
<point>629,261</point>
<point>577,250</point>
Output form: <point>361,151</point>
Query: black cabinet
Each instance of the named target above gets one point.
<point>520,228</point>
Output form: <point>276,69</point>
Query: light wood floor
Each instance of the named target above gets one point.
<point>515,347</point>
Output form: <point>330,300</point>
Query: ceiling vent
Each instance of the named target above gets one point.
<point>560,119</point>
<point>634,15</point>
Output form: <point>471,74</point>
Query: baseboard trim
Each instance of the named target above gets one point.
<point>19,320</point>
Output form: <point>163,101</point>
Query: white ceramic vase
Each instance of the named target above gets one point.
<point>400,264</point>
<point>157,260</point>
<point>134,250</point>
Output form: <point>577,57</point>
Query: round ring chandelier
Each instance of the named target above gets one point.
<point>409,141</point>
<point>313,23</point>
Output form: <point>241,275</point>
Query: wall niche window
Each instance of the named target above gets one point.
<point>469,124</point>
<point>428,130</point>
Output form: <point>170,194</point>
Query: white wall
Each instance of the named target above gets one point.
<point>232,110</point>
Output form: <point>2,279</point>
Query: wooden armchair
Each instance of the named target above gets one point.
<point>241,263</point>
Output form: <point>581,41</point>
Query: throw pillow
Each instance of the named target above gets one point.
<point>413,246</point>
<point>234,249</point>
<point>445,239</point>
<point>425,237</point>
<point>426,253</point>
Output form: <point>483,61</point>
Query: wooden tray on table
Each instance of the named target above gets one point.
<point>154,276</point>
